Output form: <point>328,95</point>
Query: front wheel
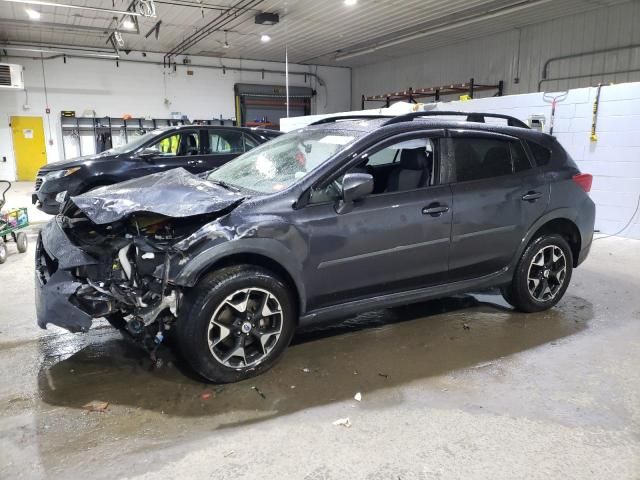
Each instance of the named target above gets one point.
<point>236,323</point>
<point>542,275</point>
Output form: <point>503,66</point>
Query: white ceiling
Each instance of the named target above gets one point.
<point>316,31</point>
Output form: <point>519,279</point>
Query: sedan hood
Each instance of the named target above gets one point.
<point>77,162</point>
<point>175,193</point>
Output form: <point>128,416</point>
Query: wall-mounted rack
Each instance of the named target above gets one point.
<point>412,95</point>
<point>90,135</point>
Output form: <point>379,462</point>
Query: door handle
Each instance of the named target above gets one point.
<point>531,196</point>
<point>435,209</point>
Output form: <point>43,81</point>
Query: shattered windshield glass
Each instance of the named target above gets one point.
<point>277,164</point>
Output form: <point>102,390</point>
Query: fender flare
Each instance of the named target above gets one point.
<point>265,247</point>
<point>557,214</point>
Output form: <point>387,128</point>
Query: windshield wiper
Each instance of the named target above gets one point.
<point>226,185</point>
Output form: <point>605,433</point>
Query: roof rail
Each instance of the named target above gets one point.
<point>471,117</point>
<point>347,117</point>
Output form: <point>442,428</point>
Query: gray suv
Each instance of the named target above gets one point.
<point>340,217</point>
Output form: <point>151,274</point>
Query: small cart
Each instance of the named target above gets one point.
<point>11,222</point>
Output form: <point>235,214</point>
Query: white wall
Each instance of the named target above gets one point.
<point>518,54</point>
<point>613,160</point>
<point>140,90</point>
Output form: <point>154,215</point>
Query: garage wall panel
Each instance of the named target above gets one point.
<point>613,160</point>
<point>141,89</point>
<point>519,53</point>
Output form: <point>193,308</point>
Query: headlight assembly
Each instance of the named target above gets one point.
<point>61,173</point>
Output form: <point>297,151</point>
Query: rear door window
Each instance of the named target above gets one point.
<point>541,155</point>
<point>225,142</point>
<point>481,158</point>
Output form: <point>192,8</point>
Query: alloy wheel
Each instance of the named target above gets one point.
<point>245,327</point>
<point>547,273</point>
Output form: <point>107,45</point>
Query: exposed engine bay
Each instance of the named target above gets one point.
<point>110,253</point>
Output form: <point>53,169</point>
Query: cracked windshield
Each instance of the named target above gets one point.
<point>279,163</point>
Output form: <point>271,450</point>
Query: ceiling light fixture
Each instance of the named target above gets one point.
<point>33,15</point>
<point>128,24</point>
<point>265,38</point>
<point>266,18</point>
<point>350,3</point>
<point>226,43</point>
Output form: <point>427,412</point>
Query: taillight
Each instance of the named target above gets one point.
<point>584,181</point>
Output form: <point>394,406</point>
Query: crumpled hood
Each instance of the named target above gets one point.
<point>174,193</point>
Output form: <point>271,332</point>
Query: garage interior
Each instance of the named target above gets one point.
<point>459,387</point>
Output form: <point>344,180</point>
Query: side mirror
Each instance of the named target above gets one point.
<point>147,154</point>
<point>355,186</point>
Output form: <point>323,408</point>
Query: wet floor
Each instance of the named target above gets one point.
<point>570,367</point>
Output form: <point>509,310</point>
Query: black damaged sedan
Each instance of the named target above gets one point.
<point>327,221</point>
<point>196,148</point>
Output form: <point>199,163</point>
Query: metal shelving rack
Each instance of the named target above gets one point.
<point>413,94</point>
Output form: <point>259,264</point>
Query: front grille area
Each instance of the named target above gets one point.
<point>39,182</point>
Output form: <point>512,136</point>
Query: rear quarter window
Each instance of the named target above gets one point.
<point>541,155</point>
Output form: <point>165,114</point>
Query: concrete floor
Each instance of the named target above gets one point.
<point>549,395</point>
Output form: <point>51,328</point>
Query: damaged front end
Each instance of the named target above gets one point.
<point>110,252</point>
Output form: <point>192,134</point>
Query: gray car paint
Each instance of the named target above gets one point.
<point>386,251</point>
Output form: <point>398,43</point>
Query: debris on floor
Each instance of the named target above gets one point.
<point>259,392</point>
<point>206,395</point>
<point>383,375</point>
<point>466,326</point>
<point>96,406</point>
<point>343,422</point>
<point>358,397</point>
<point>229,453</point>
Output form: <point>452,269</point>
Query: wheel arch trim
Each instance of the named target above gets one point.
<point>271,250</point>
<point>560,214</point>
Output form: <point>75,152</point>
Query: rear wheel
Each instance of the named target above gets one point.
<point>236,323</point>
<point>542,275</point>
<point>22,242</point>
<point>3,251</point>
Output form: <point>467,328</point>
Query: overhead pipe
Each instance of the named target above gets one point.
<point>597,74</point>
<point>545,68</point>
<point>443,28</point>
<point>226,17</point>
<point>76,7</point>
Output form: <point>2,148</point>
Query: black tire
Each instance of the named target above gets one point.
<point>22,242</point>
<point>208,297</point>
<point>117,321</point>
<point>519,292</point>
<point>3,251</point>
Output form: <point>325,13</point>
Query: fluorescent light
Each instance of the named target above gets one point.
<point>33,15</point>
<point>128,24</point>
<point>265,38</point>
<point>443,28</point>
<point>350,3</point>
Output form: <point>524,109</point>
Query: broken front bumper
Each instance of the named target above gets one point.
<point>55,284</point>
